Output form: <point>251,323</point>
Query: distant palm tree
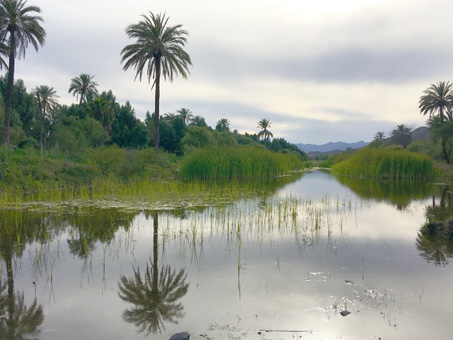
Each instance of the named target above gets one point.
<point>19,27</point>
<point>83,86</point>
<point>402,135</point>
<point>223,125</point>
<point>185,114</point>
<point>168,117</point>
<point>158,51</point>
<point>47,100</point>
<point>380,135</point>
<point>264,124</point>
<point>438,99</point>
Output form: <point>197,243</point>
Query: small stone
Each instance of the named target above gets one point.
<point>345,313</point>
<point>180,336</point>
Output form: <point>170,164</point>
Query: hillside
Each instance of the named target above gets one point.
<point>337,146</point>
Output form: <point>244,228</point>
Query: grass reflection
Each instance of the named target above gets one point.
<point>399,193</point>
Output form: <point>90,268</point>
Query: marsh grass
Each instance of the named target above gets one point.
<point>237,162</point>
<point>386,163</point>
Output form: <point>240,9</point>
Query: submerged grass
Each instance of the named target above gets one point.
<point>387,163</point>
<point>237,162</point>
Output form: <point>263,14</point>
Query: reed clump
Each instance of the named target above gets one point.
<point>237,162</point>
<point>387,163</point>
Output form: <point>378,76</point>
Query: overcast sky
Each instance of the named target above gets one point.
<point>319,70</point>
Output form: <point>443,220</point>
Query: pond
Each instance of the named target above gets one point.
<point>315,258</point>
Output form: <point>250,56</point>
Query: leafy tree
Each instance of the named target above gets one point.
<point>19,27</point>
<point>437,101</point>
<point>402,135</point>
<point>127,130</point>
<point>172,134</point>
<point>197,137</point>
<point>159,51</point>
<point>223,125</point>
<point>443,132</point>
<point>264,125</point>
<point>84,87</point>
<point>185,114</point>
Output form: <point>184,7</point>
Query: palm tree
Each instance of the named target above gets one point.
<point>223,125</point>
<point>185,114</point>
<point>438,98</point>
<point>264,124</point>
<point>47,101</point>
<point>158,51</point>
<point>379,137</point>
<point>19,27</point>
<point>402,135</point>
<point>83,86</point>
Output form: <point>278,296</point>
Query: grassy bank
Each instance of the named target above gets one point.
<point>386,163</point>
<point>237,162</point>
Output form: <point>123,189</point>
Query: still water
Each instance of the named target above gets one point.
<point>313,259</point>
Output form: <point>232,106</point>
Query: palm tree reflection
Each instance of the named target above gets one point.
<point>434,249</point>
<point>154,295</point>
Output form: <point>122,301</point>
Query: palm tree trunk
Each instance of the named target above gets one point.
<point>445,151</point>
<point>9,91</point>
<point>156,106</point>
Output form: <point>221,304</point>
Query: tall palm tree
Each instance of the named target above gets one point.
<point>438,102</point>
<point>185,114</point>
<point>159,51</point>
<point>19,27</point>
<point>47,100</point>
<point>402,135</point>
<point>83,86</point>
<point>438,99</point>
<point>264,124</point>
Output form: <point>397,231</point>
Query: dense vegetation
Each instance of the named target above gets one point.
<point>99,138</point>
<point>387,163</point>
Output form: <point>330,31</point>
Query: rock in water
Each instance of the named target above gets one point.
<point>180,336</point>
<point>345,313</point>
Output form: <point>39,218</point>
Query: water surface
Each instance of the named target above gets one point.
<point>286,264</point>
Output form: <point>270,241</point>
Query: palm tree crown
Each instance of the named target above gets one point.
<point>19,27</point>
<point>264,124</point>
<point>185,114</point>
<point>158,51</point>
<point>83,86</point>
<point>438,98</point>
<point>47,99</point>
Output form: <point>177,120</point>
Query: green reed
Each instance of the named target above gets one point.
<point>386,163</point>
<point>237,162</point>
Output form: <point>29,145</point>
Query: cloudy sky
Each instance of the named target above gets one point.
<point>319,70</point>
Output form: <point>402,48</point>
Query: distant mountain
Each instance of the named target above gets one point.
<point>338,146</point>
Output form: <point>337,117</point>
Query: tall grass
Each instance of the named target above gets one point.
<point>237,162</point>
<point>386,163</point>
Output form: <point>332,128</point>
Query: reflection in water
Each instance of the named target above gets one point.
<point>17,320</point>
<point>442,206</point>
<point>155,295</point>
<point>399,193</point>
<point>434,249</point>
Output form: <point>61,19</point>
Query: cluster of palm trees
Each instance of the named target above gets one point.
<point>158,51</point>
<point>20,26</point>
